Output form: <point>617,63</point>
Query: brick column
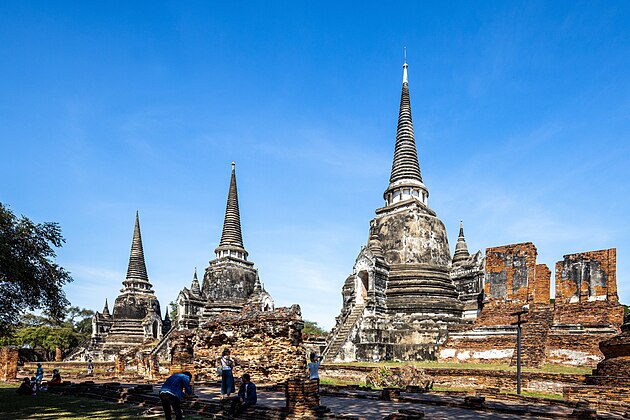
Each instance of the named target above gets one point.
<point>8,363</point>
<point>58,355</point>
<point>119,365</point>
<point>302,397</point>
<point>154,367</point>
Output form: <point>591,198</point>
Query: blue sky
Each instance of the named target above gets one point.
<point>521,114</point>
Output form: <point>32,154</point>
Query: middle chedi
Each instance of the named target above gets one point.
<point>399,299</point>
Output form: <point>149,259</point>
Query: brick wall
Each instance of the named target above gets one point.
<point>541,285</point>
<point>510,272</point>
<point>267,345</point>
<point>8,363</point>
<point>587,276</point>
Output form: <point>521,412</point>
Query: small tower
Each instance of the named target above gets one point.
<point>461,249</point>
<point>194,286</point>
<point>106,313</point>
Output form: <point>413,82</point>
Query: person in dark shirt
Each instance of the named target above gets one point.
<point>25,387</point>
<point>172,393</point>
<point>56,378</point>
<point>246,396</point>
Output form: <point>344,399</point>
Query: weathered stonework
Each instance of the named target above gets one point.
<point>136,316</point>
<point>565,333</point>
<point>609,385</point>
<point>267,345</point>
<point>587,309</point>
<point>230,282</point>
<point>400,299</point>
<point>8,363</point>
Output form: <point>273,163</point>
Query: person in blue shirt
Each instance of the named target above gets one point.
<point>39,375</point>
<point>246,396</point>
<point>172,393</point>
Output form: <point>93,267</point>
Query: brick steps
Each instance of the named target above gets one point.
<point>342,334</point>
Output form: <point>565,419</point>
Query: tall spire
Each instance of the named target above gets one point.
<point>231,238</point>
<point>106,309</point>
<point>405,181</point>
<point>461,249</point>
<point>137,270</point>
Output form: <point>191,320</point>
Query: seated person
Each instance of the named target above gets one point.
<point>25,387</point>
<point>246,396</point>
<point>56,378</point>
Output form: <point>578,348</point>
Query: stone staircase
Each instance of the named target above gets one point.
<point>534,336</point>
<point>342,334</point>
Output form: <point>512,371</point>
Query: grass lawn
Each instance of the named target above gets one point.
<point>51,406</point>
<point>481,366</point>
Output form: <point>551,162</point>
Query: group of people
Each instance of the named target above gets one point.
<point>30,386</point>
<point>173,390</point>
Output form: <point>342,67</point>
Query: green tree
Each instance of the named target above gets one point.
<point>173,312</point>
<point>312,328</point>
<point>46,332</point>
<point>29,277</point>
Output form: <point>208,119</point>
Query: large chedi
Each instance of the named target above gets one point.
<point>230,281</point>
<point>399,299</point>
<point>136,312</point>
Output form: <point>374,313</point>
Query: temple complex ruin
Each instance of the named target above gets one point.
<point>230,281</point>
<point>406,299</point>
<point>136,316</point>
<point>585,312</point>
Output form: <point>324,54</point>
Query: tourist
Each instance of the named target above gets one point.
<point>313,368</point>
<point>25,387</point>
<point>226,364</point>
<point>56,377</point>
<point>90,368</point>
<point>246,396</point>
<point>171,394</point>
<point>39,375</point>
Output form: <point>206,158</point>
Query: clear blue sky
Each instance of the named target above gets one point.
<point>521,112</point>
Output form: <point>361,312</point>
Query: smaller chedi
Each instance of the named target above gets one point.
<point>230,281</point>
<point>136,315</point>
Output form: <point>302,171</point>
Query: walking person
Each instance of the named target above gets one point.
<point>90,368</point>
<point>172,394</point>
<point>226,365</point>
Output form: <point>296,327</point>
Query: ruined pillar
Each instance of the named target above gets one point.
<point>302,397</point>
<point>119,365</point>
<point>154,367</point>
<point>8,363</point>
<point>58,355</point>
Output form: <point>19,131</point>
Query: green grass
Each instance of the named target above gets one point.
<point>480,366</point>
<point>542,395</point>
<point>51,406</point>
<point>339,382</point>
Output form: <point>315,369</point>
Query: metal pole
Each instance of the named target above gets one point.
<point>518,355</point>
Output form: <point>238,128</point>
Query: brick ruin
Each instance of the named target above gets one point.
<point>267,345</point>
<point>609,385</point>
<point>8,363</point>
<point>586,309</point>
